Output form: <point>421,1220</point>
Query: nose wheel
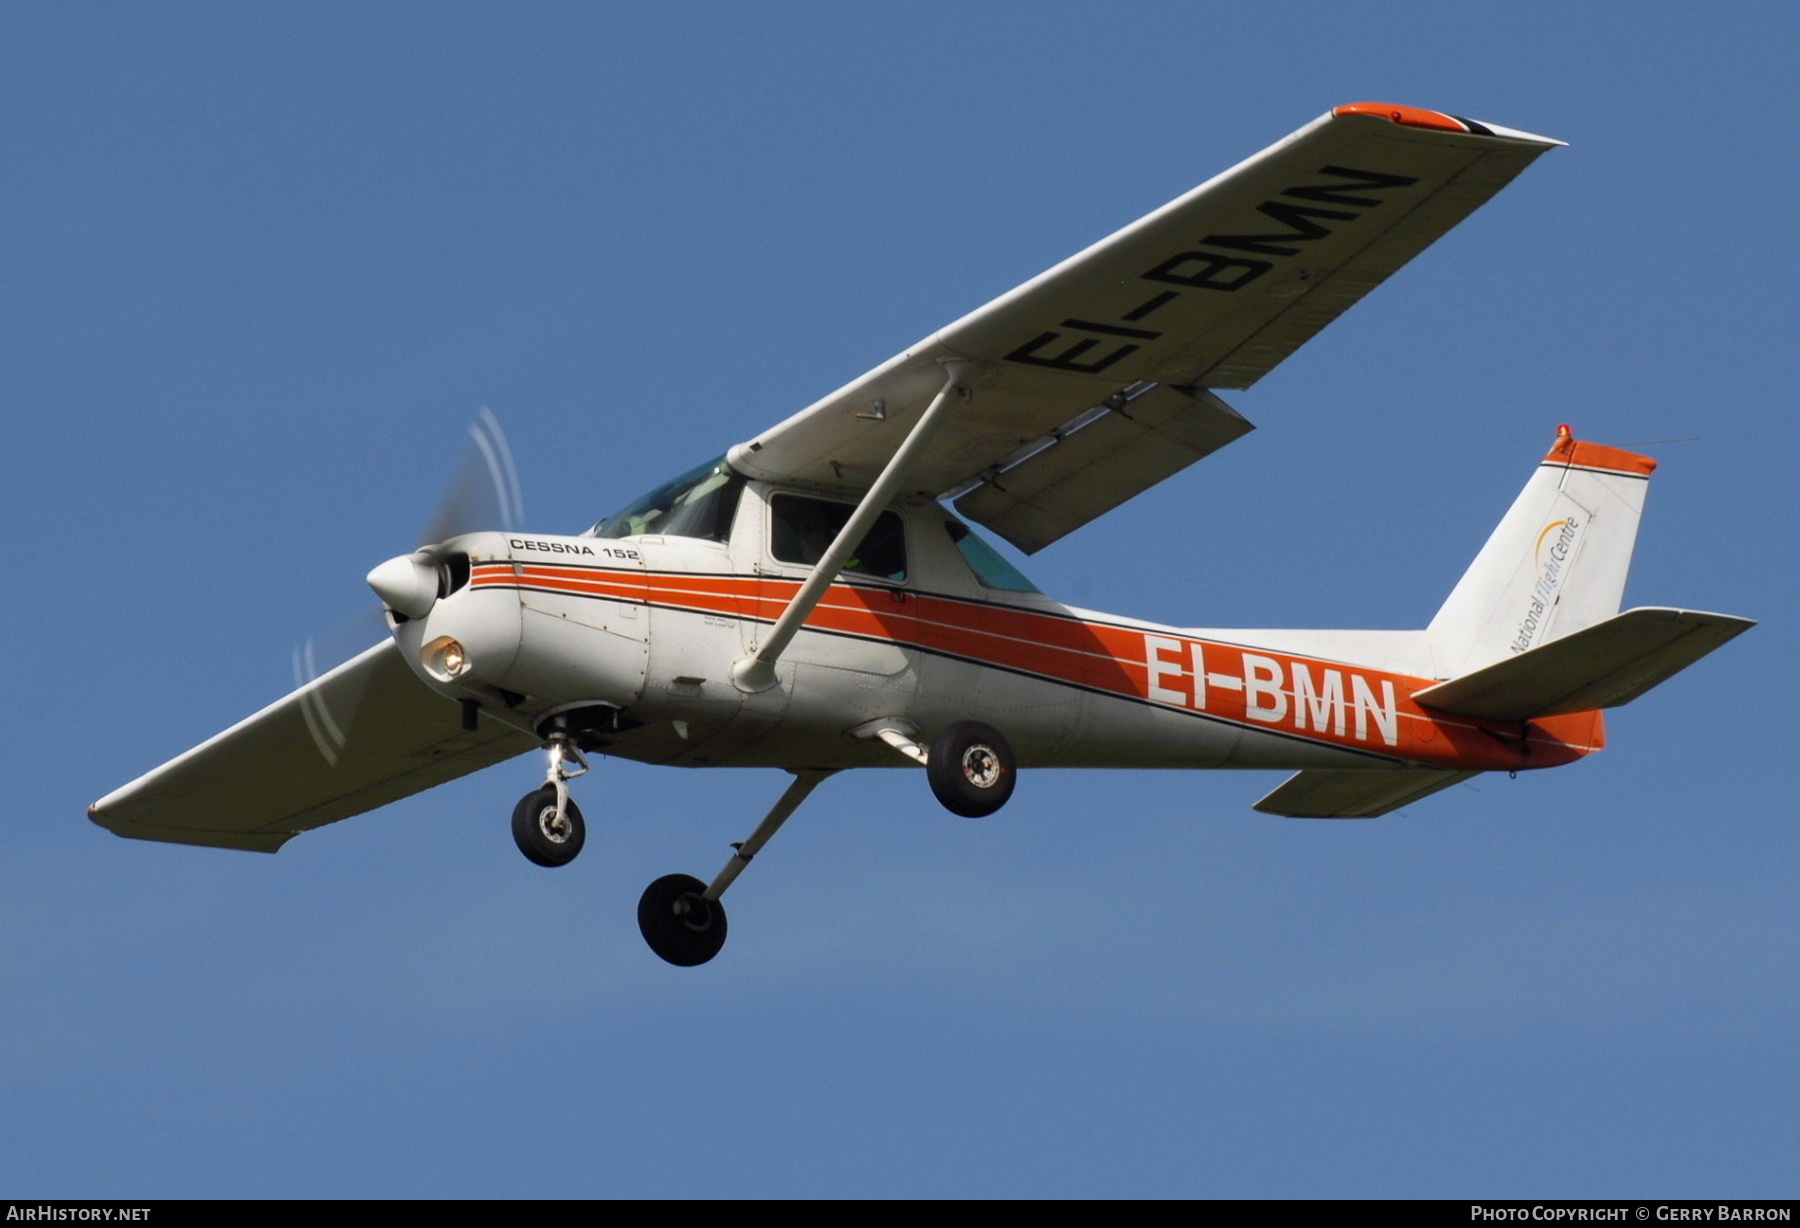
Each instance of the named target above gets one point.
<point>548,835</point>
<point>547,824</point>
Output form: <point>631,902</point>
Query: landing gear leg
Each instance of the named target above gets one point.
<point>683,918</point>
<point>547,824</point>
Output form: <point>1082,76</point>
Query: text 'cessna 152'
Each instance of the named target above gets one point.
<point>814,600</point>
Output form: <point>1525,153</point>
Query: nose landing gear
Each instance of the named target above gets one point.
<point>547,824</point>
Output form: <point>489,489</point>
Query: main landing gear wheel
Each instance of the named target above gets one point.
<point>971,769</point>
<point>681,925</point>
<point>546,838</point>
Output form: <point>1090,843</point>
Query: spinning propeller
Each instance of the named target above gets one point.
<point>482,494</point>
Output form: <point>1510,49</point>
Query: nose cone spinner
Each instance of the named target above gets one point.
<point>407,584</point>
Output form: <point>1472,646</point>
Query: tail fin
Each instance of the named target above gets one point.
<point>1555,565</point>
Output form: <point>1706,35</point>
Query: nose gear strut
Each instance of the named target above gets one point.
<point>547,824</point>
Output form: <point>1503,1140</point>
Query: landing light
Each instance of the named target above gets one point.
<point>445,659</point>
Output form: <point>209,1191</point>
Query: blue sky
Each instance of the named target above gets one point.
<point>263,263</point>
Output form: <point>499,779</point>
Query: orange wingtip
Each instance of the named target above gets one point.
<point>1569,450</point>
<point>1412,117</point>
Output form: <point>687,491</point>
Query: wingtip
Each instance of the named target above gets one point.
<point>1408,117</point>
<point>1441,121</point>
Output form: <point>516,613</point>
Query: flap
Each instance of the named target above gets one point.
<point>365,734</point>
<point>1212,290</point>
<point>1333,793</point>
<point>1100,460</point>
<point>1603,666</point>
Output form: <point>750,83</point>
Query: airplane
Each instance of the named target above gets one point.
<point>815,598</point>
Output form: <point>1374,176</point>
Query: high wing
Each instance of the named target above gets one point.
<point>1210,291</point>
<point>363,735</point>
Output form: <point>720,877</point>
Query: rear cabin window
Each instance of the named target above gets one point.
<point>989,566</point>
<point>803,529</point>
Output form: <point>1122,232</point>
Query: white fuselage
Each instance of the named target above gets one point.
<point>651,625</point>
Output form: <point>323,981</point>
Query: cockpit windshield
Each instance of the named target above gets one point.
<point>700,503</point>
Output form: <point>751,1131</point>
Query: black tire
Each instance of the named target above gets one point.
<point>679,923</point>
<point>537,834</point>
<point>971,769</point>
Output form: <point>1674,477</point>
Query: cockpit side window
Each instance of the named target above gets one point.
<point>700,503</point>
<point>986,562</point>
<point>802,530</point>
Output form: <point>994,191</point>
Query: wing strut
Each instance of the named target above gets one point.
<point>757,672</point>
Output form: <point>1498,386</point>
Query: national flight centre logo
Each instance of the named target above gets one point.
<point>1555,549</point>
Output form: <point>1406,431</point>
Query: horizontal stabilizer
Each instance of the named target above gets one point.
<point>1355,793</point>
<point>1606,665</point>
<point>1100,460</point>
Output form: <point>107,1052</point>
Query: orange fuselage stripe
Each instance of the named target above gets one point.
<point>1322,701</point>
